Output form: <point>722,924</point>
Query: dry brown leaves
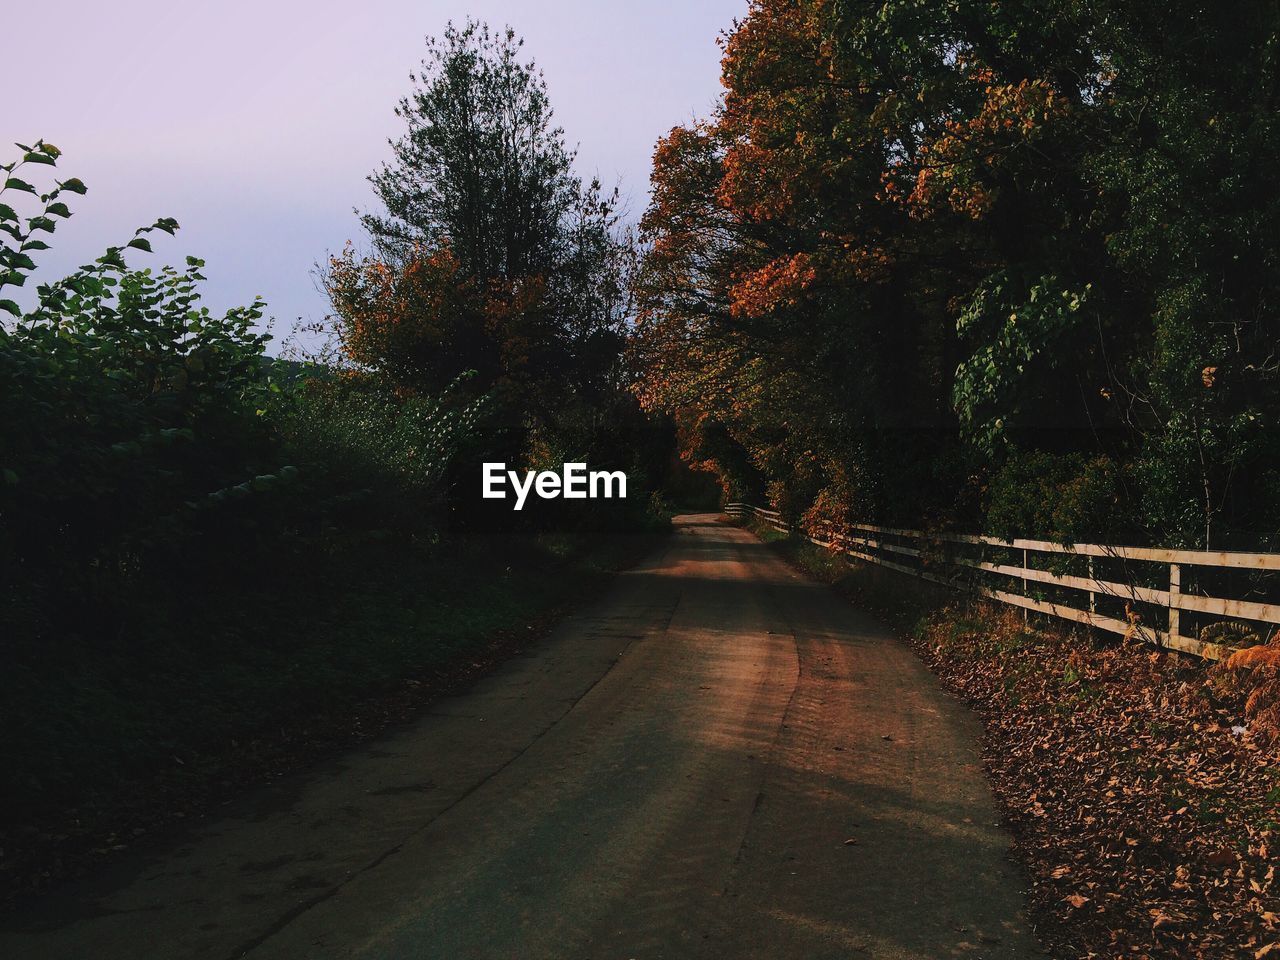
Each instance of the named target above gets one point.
<point>1147,817</point>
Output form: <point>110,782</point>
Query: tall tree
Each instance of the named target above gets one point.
<point>490,253</point>
<point>491,256</point>
<point>480,168</point>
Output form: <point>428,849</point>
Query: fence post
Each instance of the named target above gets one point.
<point>1093,597</point>
<point>1024,582</point>
<point>1175,589</point>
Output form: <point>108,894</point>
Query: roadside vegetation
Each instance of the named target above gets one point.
<point>1008,268</point>
<point>206,550</point>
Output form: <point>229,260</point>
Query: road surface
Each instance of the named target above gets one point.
<point>718,760</point>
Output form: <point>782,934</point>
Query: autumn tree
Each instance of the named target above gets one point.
<point>489,252</point>
<point>777,293</point>
<point>916,248</point>
<point>492,259</point>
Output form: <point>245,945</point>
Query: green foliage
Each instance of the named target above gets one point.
<point>15,252</point>
<point>371,455</point>
<point>128,408</point>
<point>1069,498</point>
<point>480,169</point>
<point>1021,336</point>
<point>149,443</point>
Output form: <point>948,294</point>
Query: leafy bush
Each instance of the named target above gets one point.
<point>134,417</point>
<point>367,453</point>
<point>198,541</point>
<point>1064,497</point>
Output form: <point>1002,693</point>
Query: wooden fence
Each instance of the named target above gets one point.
<point>1170,598</point>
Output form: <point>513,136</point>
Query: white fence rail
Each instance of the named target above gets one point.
<point>1165,597</point>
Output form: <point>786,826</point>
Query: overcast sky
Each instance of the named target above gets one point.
<point>254,124</point>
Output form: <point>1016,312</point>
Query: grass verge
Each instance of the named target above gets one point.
<point>1145,811</point>
<point>106,740</point>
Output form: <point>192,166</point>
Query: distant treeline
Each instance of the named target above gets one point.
<point>1004,265</point>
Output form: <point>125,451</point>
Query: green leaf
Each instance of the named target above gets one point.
<point>10,306</point>
<point>7,212</point>
<point>10,477</point>
<point>140,243</point>
<point>58,209</point>
<point>13,183</point>
<point>74,185</point>
<point>40,158</point>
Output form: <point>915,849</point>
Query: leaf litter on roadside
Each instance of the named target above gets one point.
<point>1147,819</point>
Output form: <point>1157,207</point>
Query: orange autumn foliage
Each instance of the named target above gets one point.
<point>424,322</point>
<point>1254,673</point>
<point>778,283</point>
<point>1262,655</point>
<point>397,319</point>
<point>954,168</point>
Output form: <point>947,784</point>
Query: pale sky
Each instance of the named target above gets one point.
<point>254,124</point>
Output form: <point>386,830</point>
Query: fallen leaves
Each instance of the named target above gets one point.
<point>1146,824</point>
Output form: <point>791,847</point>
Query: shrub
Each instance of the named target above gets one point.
<point>1063,497</point>
<point>134,416</point>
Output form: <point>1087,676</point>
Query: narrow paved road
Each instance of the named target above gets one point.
<point>677,772</point>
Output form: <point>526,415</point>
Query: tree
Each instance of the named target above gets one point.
<point>480,168</point>
<point>524,263</point>
<point>493,262</point>
<point>917,245</point>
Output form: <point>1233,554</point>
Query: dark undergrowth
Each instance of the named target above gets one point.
<point>107,739</point>
<point>1144,805</point>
